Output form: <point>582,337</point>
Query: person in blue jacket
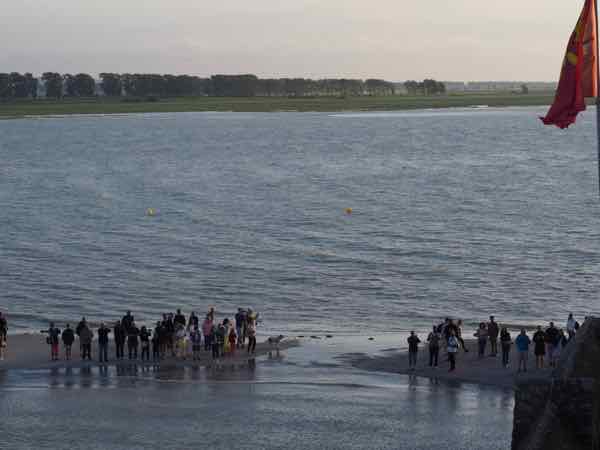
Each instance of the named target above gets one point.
<point>522,343</point>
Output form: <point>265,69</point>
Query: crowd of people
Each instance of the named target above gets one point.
<point>547,343</point>
<point>174,335</point>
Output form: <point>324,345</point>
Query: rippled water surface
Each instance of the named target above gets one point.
<point>454,212</point>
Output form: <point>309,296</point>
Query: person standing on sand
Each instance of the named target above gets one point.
<point>539,339</point>
<point>170,328</point>
<point>482,335</point>
<point>68,337</point>
<point>120,335</point>
<point>240,325</point>
<point>180,340</point>
<point>522,342</point>
<point>53,340</point>
<point>82,323</point>
<point>207,329</point>
<point>227,326</point>
<point>156,342</point>
<point>196,339</point>
<point>145,342</point>
<point>413,349</point>
<point>452,350</point>
<point>3,336</point>
<point>232,341</point>
<point>552,343</point>
<point>214,342</point>
<point>103,333</point>
<point>505,342</point>
<point>434,347</point>
<point>3,328</point>
<point>493,331</point>
<point>132,340</point>
<point>85,338</point>
<point>251,333</point>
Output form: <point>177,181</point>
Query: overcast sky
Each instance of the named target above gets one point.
<point>391,39</point>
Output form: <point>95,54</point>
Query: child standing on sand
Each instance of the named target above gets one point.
<point>232,340</point>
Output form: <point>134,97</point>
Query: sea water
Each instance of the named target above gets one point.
<point>464,213</point>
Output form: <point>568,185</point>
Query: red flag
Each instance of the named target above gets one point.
<point>579,75</point>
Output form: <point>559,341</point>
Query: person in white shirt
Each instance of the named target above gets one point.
<point>452,349</point>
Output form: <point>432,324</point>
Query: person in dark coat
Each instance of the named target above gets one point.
<point>193,321</point>
<point>119,336</point>
<point>145,341</point>
<point>505,342</point>
<point>539,340</point>
<point>180,318</point>
<point>3,327</point>
<point>493,331</point>
<point>103,333</point>
<point>413,349</point>
<point>82,323</point>
<point>434,346</point>
<point>156,338</point>
<point>132,341</point>
<point>68,337</point>
<point>85,338</point>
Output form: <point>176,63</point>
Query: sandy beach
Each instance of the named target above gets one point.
<point>469,367</point>
<point>30,351</point>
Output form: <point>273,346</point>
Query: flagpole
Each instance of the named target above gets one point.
<point>597,93</point>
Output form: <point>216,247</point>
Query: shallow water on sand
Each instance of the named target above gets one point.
<point>464,213</point>
<point>301,399</point>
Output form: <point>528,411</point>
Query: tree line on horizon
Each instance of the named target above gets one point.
<point>15,85</point>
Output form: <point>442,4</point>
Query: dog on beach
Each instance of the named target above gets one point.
<point>274,341</point>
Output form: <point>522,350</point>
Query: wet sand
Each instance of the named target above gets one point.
<point>469,367</point>
<point>30,351</point>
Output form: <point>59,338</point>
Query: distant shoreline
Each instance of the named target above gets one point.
<point>105,105</point>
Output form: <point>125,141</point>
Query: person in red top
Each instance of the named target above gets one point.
<point>232,339</point>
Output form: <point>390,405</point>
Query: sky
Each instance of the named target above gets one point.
<point>466,40</point>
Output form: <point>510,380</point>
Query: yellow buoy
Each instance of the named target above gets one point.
<point>150,212</point>
<point>348,210</point>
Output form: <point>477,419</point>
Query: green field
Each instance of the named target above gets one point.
<point>105,105</point>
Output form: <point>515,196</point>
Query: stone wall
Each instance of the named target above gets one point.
<point>564,411</point>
